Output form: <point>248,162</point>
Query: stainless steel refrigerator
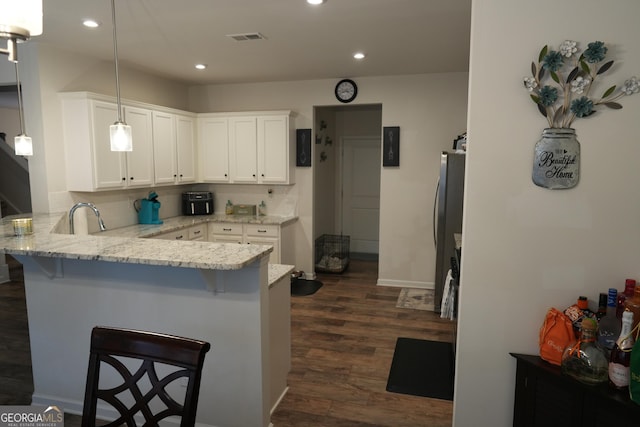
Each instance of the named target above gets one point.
<point>447,216</point>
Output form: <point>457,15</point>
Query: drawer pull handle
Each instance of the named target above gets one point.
<point>179,237</point>
<point>197,232</point>
<point>262,231</point>
<point>226,229</point>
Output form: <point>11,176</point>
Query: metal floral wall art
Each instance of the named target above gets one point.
<point>560,85</point>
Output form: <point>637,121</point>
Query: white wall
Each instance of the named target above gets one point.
<point>325,187</point>
<point>526,248</point>
<point>430,110</point>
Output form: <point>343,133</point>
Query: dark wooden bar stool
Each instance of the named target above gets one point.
<point>132,397</point>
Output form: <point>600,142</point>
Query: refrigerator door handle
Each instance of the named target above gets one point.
<point>435,215</point>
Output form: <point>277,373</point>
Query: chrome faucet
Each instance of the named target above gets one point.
<point>85,205</point>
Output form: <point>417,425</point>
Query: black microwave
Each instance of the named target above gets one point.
<point>197,203</point>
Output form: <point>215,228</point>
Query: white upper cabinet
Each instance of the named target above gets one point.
<point>164,148</point>
<point>243,152</point>
<point>173,148</point>
<point>90,162</point>
<point>163,144</point>
<point>186,149</point>
<point>275,155</point>
<point>247,147</point>
<point>213,145</point>
<point>140,160</point>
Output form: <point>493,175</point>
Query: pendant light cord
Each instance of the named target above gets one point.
<point>20,108</point>
<point>115,58</point>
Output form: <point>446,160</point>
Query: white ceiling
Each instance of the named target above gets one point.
<point>167,37</point>
<point>303,42</point>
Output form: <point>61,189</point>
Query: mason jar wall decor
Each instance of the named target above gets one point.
<point>557,159</point>
<point>559,85</point>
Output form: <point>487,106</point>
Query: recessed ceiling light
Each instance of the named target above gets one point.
<point>315,2</point>
<point>90,23</point>
<point>359,55</point>
<point>201,66</point>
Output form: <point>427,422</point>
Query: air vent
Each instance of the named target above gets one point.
<point>246,36</point>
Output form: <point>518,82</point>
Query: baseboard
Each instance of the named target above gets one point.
<point>405,284</point>
<point>275,406</point>
<point>69,406</point>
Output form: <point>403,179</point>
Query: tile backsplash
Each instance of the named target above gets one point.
<point>116,207</point>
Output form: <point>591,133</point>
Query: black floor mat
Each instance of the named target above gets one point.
<point>422,368</point>
<point>302,287</point>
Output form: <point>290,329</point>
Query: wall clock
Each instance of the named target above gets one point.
<point>346,90</point>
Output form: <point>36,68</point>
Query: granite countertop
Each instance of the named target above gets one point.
<point>115,247</point>
<point>180,222</point>
<point>278,271</point>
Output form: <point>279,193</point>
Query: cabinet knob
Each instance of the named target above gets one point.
<point>131,178</point>
<point>124,178</point>
<point>225,175</point>
<point>175,176</point>
<point>254,175</point>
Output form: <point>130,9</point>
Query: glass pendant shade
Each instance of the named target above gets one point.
<point>120,137</point>
<point>21,17</point>
<point>23,145</point>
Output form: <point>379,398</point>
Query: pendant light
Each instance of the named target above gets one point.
<point>19,20</point>
<point>120,132</point>
<point>22,142</point>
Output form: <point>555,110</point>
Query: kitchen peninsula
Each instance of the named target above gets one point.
<point>226,294</point>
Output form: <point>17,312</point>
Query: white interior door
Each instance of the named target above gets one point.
<point>361,192</point>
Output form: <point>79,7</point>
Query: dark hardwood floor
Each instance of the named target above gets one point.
<point>343,338</point>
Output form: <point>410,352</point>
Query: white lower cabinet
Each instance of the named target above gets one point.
<point>196,232</point>
<point>225,232</point>
<point>278,236</point>
<point>264,235</point>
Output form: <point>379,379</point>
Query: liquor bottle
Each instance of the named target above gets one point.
<point>633,305</point>
<point>602,306</point>
<point>585,359</point>
<point>621,355</point>
<point>577,312</point>
<point>609,326</point>
<point>629,287</point>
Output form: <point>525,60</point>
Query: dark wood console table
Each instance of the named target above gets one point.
<point>546,398</point>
